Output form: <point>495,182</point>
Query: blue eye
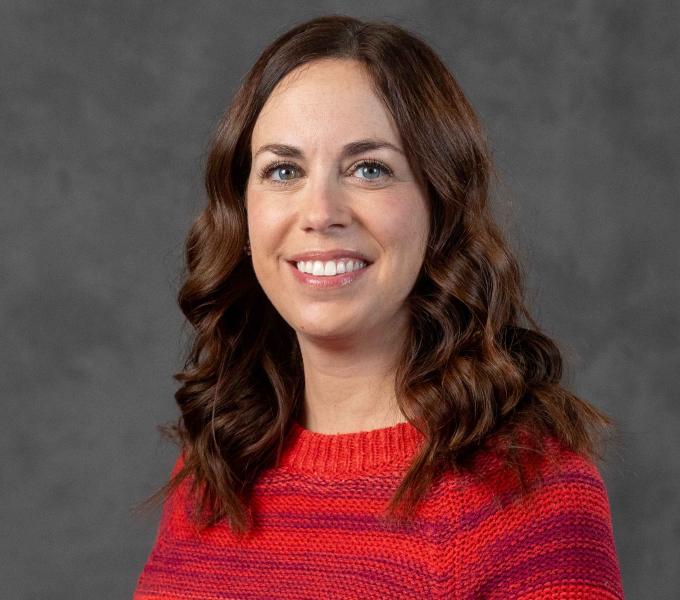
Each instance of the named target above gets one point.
<point>371,170</point>
<point>285,172</point>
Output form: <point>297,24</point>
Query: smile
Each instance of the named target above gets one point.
<point>328,274</point>
<point>330,267</point>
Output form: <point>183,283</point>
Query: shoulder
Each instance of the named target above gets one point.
<point>176,516</point>
<point>553,540</point>
<point>555,473</point>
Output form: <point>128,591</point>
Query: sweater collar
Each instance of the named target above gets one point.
<point>343,454</point>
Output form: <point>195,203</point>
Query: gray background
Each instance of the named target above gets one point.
<point>106,112</point>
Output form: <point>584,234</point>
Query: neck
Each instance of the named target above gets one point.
<point>349,384</point>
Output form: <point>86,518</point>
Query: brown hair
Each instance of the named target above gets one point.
<point>475,367</point>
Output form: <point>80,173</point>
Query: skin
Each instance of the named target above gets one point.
<point>349,337</point>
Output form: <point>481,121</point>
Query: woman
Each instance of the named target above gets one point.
<point>364,414</point>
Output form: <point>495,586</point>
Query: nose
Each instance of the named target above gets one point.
<point>324,205</point>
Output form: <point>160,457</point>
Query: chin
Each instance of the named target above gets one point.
<point>325,330</point>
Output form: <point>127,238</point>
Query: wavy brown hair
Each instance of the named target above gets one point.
<point>475,372</point>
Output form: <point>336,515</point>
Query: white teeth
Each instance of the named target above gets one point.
<point>330,267</point>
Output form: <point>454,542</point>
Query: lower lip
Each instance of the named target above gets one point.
<point>329,282</point>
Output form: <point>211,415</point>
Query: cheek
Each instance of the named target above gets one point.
<point>261,226</point>
<point>404,222</point>
<point>265,220</point>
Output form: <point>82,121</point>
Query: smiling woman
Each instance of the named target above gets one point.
<point>348,199</point>
<point>368,409</point>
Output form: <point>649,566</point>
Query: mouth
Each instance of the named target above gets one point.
<point>329,273</point>
<point>329,268</point>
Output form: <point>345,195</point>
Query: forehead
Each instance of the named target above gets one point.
<point>329,99</point>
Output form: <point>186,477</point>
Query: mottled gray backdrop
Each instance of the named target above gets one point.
<point>106,111</point>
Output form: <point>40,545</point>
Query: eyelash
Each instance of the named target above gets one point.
<point>266,171</point>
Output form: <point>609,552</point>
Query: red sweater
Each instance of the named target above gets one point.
<point>320,533</point>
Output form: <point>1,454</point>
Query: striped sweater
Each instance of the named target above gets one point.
<point>320,531</point>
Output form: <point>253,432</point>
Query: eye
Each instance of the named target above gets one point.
<point>283,172</point>
<point>371,170</point>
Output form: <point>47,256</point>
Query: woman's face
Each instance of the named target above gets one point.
<point>337,223</point>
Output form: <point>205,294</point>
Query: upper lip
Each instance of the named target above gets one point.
<point>328,255</point>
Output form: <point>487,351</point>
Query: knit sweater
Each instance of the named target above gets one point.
<point>320,532</point>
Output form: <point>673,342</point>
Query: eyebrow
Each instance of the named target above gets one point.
<point>350,149</point>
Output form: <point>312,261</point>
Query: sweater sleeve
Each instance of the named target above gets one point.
<point>556,543</point>
<point>157,570</point>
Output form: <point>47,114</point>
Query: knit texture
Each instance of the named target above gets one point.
<point>320,532</point>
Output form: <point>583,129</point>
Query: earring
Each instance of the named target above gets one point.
<point>247,248</point>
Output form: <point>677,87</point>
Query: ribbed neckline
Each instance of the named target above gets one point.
<point>341,454</point>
